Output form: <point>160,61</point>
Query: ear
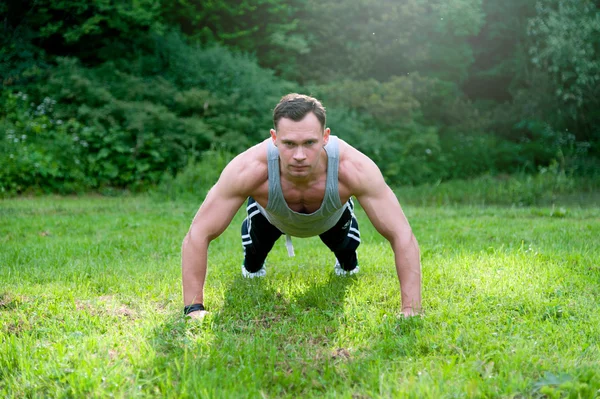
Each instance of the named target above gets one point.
<point>274,136</point>
<point>326,134</point>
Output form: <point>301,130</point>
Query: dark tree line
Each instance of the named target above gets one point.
<point>105,93</point>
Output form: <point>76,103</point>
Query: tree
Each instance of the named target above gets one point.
<point>271,30</point>
<point>500,54</point>
<point>382,38</point>
<point>95,31</point>
<point>566,44</point>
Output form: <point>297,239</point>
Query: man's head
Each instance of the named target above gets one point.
<point>300,135</point>
<point>296,106</point>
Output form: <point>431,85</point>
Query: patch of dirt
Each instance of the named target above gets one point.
<point>9,301</point>
<point>5,300</point>
<point>341,354</point>
<point>266,321</point>
<point>318,340</point>
<point>15,327</point>
<point>125,311</point>
<point>83,305</point>
<point>113,354</point>
<point>105,306</point>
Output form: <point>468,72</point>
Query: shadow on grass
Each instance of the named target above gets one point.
<point>257,309</point>
<point>263,340</point>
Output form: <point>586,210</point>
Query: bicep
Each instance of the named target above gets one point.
<point>215,213</point>
<point>381,205</point>
<point>218,208</point>
<point>385,213</point>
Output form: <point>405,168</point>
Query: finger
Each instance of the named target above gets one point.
<point>408,313</point>
<point>198,314</point>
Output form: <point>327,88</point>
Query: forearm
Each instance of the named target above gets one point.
<point>194,256</point>
<point>408,268</point>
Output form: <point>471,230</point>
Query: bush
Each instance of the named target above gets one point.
<point>38,151</point>
<point>133,127</point>
<point>245,94</point>
<point>469,155</point>
<point>550,186</point>
<point>136,121</point>
<point>194,181</point>
<point>382,120</point>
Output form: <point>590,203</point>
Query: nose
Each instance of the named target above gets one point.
<point>299,153</point>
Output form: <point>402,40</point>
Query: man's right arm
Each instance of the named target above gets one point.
<point>218,209</point>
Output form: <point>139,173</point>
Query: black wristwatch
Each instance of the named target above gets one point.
<point>192,308</point>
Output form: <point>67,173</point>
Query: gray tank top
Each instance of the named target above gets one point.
<point>298,224</point>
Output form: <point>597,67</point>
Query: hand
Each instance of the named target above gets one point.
<point>198,314</point>
<point>410,312</point>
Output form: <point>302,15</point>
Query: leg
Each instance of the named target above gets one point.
<point>343,239</point>
<point>258,237</point>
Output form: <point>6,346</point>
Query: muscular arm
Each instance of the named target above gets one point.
<point>210,221</point>
<point>213,217</point>
<point>384,211</point>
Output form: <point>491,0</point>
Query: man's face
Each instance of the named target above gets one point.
<point>300,145</point>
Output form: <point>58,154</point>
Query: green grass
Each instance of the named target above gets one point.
<point>90,306</point>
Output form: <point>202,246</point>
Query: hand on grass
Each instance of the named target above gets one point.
<point>198,314</point>
<point>409,312</point>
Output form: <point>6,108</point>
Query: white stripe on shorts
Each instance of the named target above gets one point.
<point>355,237</point>
<point>253,213</point>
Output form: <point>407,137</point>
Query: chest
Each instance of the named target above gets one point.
<point>304,199</point>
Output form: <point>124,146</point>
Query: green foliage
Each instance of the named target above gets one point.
<point>39,151</point>
<point>430,90</point>
<point>501,59</point>
<point>470,155</point>
<point>548,187</point>
<point>388,122</point>
<point>270,29</point>
<point>133,135</point>
<point>381,125</point>
<point>152,116</point>
<point>389,103</point>
<point>195,179</point>
<point>382,39</point>
<point>243,93</point>
<point>20,59</point>
<point>95,31</point>
<point>580,385</point>
<point>566,45</point>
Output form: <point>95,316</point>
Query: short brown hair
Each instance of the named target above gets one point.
<point>296,106</point>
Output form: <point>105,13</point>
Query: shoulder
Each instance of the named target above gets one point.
<point>357,173</point>
<point>247,171</point>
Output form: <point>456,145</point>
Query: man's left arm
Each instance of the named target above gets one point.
<point>384,211</point>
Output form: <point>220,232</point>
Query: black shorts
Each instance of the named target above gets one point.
<point>259,236</point>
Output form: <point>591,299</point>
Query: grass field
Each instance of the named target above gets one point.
<point>90,306</point>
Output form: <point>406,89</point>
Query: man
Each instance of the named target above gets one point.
<point>299,182</point>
